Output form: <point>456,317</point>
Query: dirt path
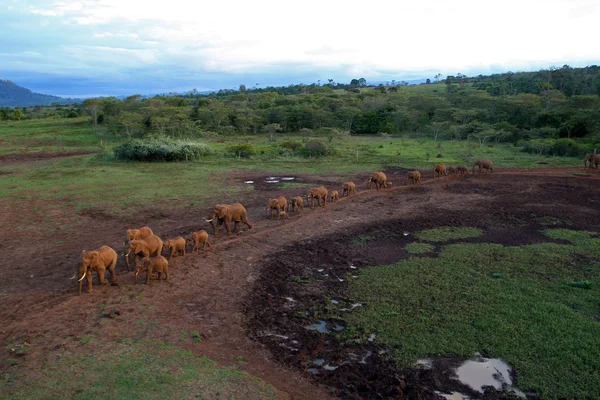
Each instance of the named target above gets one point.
<point>208,293</point>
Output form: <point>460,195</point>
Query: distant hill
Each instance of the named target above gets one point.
<point>13,95</point>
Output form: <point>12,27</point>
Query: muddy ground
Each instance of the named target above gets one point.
<point>235,293</point>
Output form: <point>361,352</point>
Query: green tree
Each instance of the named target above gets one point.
<point>271,130</point>
<point>18,115</point>
<point>93,106</point>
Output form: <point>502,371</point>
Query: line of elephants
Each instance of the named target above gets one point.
<point>149,247</point>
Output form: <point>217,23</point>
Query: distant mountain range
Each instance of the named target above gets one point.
<point>13,95</point>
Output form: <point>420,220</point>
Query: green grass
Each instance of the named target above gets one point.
<point>445,233</point>
<point>535,306</point>
<point>146,369</point>
<point>98,181</point>
<point>419,248</point>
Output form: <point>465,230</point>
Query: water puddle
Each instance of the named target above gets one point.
<point>453,396</point>
<point>324,327</point>
<point>334,301</point>
<point>288,178</point>
<point>249,182</point>
<point>330,367</point>
<point>481,372</point>
<point>319,362</point>
<point>372,337</point>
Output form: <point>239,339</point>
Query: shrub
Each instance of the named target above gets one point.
<point>242,150</point>
<point>315,147</point>
<point>161,149</point>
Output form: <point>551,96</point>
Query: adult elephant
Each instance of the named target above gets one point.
<point>483,164</point>
<point>227,213</point>
<point>318,193</point>
<point>101,260</point>
<point>378,178</point>
<point>591,159</point>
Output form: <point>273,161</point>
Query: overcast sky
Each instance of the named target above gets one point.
<point>120,47</point>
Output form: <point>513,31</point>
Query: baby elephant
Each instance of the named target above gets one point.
<point>334,196</point>
<point>451,170</point>
<point>157,264</point>
<point>388,184</point>
<point>175,245</point>
<point>197,238</point>
<point>296,203</point>
<point>462,169</point>
<point>283,215</point>
<point>413,177</point>
<point>348,188</point>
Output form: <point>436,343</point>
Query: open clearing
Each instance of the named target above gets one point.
<point>230,304</point>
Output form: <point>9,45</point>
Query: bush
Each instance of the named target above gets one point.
<point>315,147</point>
<point>243,150</point>
<point>557,147</point>
<point>161,149</point>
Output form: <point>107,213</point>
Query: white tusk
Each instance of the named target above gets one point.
<point>209,220</point>
<point>82,276</point>
<point>74,275</point>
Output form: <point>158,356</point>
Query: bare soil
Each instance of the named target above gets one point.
<point>235,293</point>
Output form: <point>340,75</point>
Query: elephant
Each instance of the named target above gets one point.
<point>452,170</point>
<point>414,177</point>
<point>278,204</point>
<point>439,170</point>
<point>199,237</point>
<point>101,260</point>
<point>282,215</point>
<point>176,245</point>
<point>296,203</point>
<point>227,213</point>
<point>157,264</point>
<point>319,193</point>
<point>141,233</point>
<point>378,178</point>
<point>152,245</point>
<point>334,196</point>
<point>388,184</point>
<point>347,188</point>
<point>591,159</point>
<point>484,164</point>
<point>462,169</point>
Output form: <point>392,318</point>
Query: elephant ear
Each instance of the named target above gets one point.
<point>138,247</point>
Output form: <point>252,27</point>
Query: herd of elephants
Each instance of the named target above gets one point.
<point>145,244</point>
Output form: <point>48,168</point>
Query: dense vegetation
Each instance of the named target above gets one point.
<point>555,112</point>
<point>13,95</point>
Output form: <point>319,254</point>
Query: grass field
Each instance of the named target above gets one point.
<point>99,181</point>
<point>143,369</point>
<point>533,306</point>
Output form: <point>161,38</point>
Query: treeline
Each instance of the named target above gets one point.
<point>544,112</point>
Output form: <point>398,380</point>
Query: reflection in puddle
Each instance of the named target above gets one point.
<point>321,327</point>
<point>330,367</point>
<point>484,372</point>
<point>288,178</point>
<point>453,396</point>
<point>249,182</point>
<point>334,301</point>
<point>319,362</point>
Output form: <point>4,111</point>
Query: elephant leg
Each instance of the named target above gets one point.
<point>184,251</point>
<point>228,225</point>
<point>236,227</point>
<point>127,261</point>
<point>88,276</point>
<point>148,274</point>
<point>101,273</point>
<point>167,275</point>
<point>113,275</point>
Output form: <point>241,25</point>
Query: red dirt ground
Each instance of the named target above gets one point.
<point>214,293</point>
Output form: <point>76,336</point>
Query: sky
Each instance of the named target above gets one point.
<point>121,47</point>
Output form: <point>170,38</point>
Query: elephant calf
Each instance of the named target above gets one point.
<point>196,238</point>
<point>451,170</point>
<point>414,177</point>
<point>279,204</point>
<point>334,196</point>
<point>152,245</point>
<point>318,193</point>
<point>347,188</point>
<point>462,169</point>
<point>176,245</point>
<point>388,184</point>
<point>157,264</point>
<point>282,215</point>
<point>296,203</point>
<point>484,164</point>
